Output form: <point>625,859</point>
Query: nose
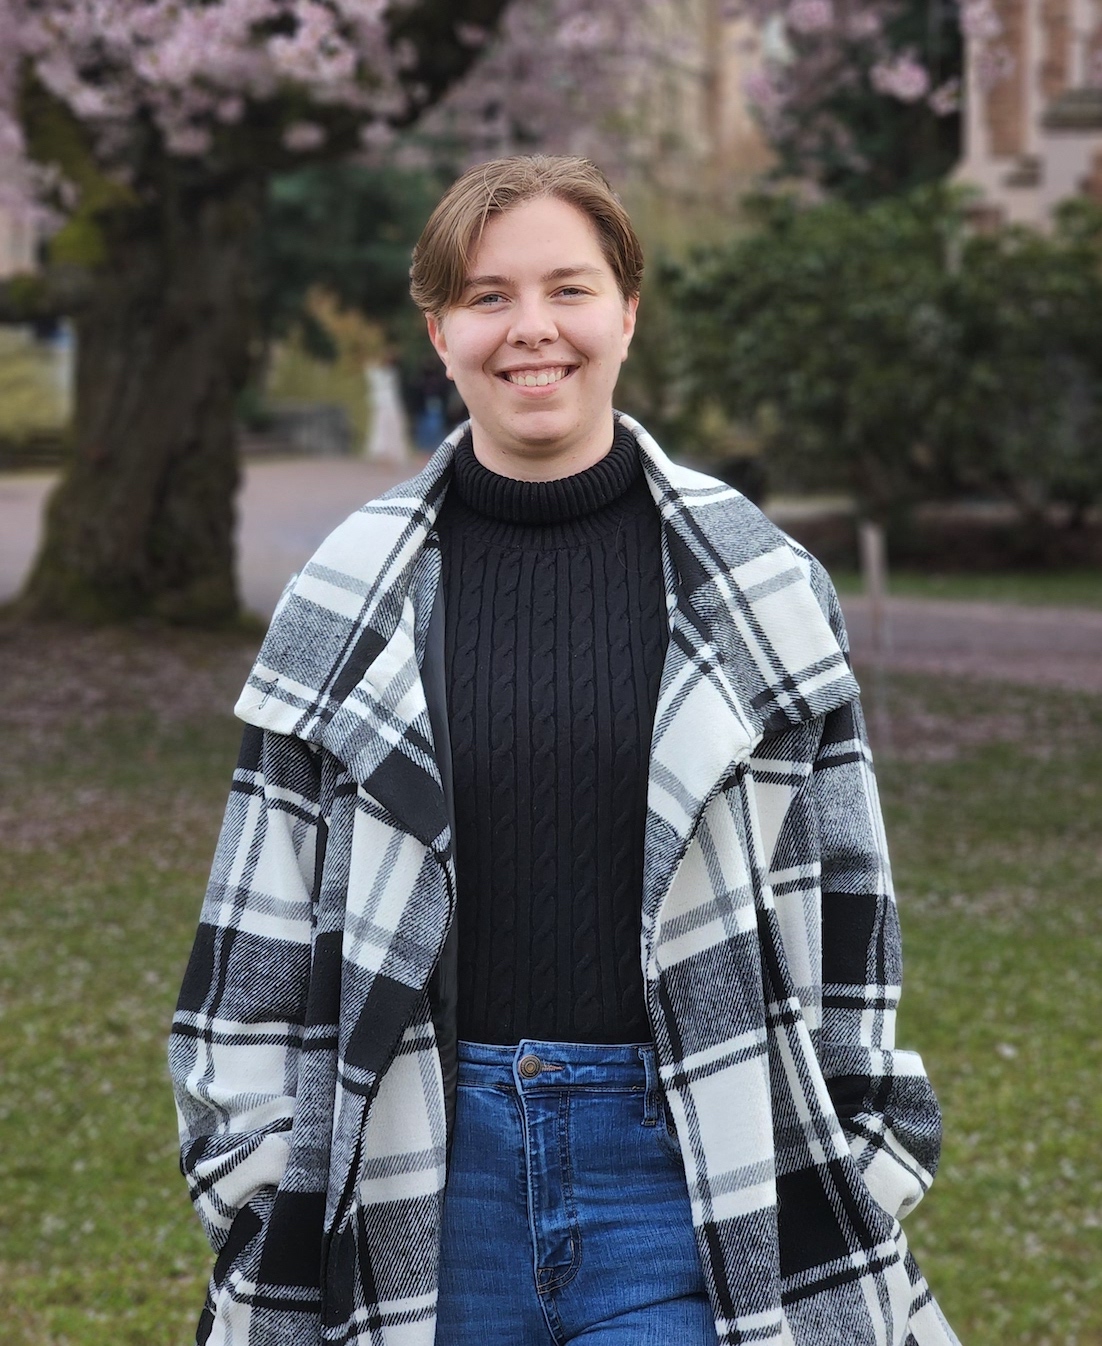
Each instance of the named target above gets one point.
<point>533,323</point>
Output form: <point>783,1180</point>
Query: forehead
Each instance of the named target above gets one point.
<point>542,235</point>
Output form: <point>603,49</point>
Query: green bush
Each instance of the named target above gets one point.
<point>897,354</point>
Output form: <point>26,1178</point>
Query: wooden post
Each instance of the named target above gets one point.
<point>874,571</point>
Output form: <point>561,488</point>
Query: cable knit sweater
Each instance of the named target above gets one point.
<point>555,637</point>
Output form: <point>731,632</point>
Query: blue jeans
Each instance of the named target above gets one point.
<point>566,1216</point>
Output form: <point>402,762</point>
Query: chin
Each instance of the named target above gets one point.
<point>541,437</point>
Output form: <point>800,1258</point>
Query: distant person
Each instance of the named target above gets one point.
<point>546,982</point>
<point>430,420</point>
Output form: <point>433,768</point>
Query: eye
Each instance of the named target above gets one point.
<point>488,300</point>
<point>571,292</point>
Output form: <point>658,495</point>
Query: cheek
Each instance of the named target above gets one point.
<point>471,351</point>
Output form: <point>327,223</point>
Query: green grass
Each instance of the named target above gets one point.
<point>110,807</point>
<point>998,860</point>
<point>117,756</point>
<point>32,400</point>
<point>1046,588</point>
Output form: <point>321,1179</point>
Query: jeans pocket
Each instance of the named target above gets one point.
<point>666,1132</point>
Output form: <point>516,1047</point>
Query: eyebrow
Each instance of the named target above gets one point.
<point>559,273</point>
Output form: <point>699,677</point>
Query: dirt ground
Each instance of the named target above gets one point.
<point>286,508</point>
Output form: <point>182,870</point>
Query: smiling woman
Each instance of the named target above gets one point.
<point>535,343</point>
<point>545,987</point>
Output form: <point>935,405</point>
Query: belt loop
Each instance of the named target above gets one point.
<point>652,1095</point>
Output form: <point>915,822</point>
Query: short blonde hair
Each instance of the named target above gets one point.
<point>442,256</point>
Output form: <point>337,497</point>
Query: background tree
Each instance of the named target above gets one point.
<point>1024,422</point>
<point>152,129</point>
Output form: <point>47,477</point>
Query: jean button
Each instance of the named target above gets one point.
<point>529,1066</point>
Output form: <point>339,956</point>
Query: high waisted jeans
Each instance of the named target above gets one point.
<point>566,1216</point>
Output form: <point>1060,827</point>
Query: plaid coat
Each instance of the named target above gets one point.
<point>304,1056</point>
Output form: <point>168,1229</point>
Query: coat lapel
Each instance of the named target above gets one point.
<point>340,665</point>
<point>751,651</point>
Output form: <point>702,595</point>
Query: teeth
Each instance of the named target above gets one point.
<point>540,380</point>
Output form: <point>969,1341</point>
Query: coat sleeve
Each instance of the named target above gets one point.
<point>882,1095</point>
<point>237,1032</point>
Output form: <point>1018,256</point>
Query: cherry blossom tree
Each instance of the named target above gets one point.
<point>144,132</point>
<point>861,96</point>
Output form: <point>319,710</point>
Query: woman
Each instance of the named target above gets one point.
<point>553,750</point>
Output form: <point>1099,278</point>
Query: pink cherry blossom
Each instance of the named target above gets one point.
<point>903,78</point>
<point>945,99</point>
<point>809,16</point>
<point>761,91</point>
<point>863,25</point>
<point>301,136</point>
<point>979,21</point>
<point>582,32</point>
<point>188,141</point>
<point>188,66</point>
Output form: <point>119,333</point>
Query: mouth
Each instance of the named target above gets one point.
<point>537,378</point>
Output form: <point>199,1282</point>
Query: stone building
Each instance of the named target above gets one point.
<point>696,141</point>
<point>1033,105</point>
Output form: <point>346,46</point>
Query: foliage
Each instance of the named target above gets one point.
<point>347,227</point>
<point>821,330</point>
<point>296,374</point>
<point>861,96</point>
<point>892,352</point>
<point>1025,418</point>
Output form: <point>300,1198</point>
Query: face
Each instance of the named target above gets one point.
<point>536,342</point>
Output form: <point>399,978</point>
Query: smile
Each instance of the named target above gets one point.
<point>527,378</point>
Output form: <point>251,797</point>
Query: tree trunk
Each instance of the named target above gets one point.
<point>142,524</point>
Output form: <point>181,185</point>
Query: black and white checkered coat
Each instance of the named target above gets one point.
<point>303,1052</point>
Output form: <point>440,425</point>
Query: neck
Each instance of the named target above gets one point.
<point>543,462</point>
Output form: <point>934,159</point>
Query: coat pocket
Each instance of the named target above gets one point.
<point>891,1120</point>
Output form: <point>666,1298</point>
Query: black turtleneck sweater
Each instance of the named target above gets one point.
<point>555,637</point>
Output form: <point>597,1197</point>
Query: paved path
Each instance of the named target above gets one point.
<point>285,508</point>
<point>1035,646</point>
<point>288,506</point>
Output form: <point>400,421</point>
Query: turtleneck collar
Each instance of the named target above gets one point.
<point>547,502</point>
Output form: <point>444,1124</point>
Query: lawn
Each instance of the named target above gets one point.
<point>33,395</point>
<point>1045,588</point>
<point>117,754</point>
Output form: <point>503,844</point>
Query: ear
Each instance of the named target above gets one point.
<point>436,336</point>
<point>631,307</point>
